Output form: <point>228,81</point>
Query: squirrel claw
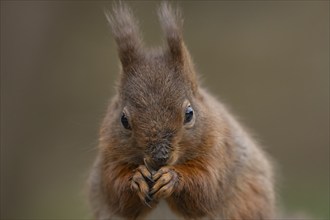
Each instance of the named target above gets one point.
<point>150,179</point>
<point>147,204</point>
<point>148,198</point>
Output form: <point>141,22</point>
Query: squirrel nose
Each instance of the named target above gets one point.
<point>160,159</point>
<point>160,155</point>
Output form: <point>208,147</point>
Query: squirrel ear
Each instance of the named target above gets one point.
<point>172,22</point>
<point>126,33</point>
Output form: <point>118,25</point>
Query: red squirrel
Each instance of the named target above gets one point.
<point>164,137</point>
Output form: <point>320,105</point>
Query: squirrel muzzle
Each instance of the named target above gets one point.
<point>159,155</point>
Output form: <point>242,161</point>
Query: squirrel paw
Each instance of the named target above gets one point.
<point>166,180</point>
<point>141,182</point>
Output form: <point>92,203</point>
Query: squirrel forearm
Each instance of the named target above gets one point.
<point>120,197</point>
<point>196,193</point>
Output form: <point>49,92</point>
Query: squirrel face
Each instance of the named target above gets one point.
<point>157,109</point>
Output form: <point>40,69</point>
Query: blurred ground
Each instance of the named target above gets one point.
<point>268,60</point>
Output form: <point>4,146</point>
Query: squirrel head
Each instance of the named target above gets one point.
<point>157,113</point>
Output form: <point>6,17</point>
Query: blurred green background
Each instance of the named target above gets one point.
<point>268,60</point>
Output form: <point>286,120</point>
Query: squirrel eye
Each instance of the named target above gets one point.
<point>189,114</point>
<point>124,121</point>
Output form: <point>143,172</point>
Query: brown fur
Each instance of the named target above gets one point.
<point>215,170</point>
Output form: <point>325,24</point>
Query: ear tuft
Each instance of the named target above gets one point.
<point>126,32</point>
<point>172,22</point>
